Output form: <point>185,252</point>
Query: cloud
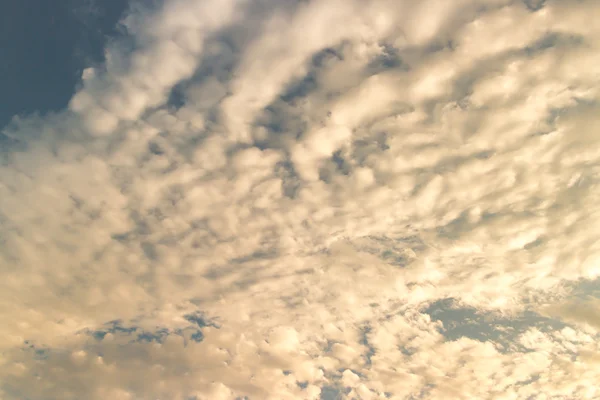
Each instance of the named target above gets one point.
<point>295,225</point>
<point>576,311</point>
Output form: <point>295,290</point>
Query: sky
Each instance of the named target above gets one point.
<point>45,45</point>
<point>285,199</point>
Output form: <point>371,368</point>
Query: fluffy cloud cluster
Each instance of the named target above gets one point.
<point>330,171</point>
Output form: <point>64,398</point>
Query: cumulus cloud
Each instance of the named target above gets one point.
<point>330,175</point>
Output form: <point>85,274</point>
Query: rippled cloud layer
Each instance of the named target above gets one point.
<point>312,200</point>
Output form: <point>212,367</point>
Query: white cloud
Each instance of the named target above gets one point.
<point>315,229</point>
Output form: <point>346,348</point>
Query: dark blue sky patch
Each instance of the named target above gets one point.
<point>302,385</point>
<point>157,336</point>
<point>134,334</point>
<point>176,97</point>
<point>322,57</point>
<point>45,45</point>
<point>330,393</point>
<point>197,336</point>
<point>200,319</point>
<point>300,88</point>
<point>155,148</point>
<point>98,335</point>
<point>364,332</point>
<point>389,59</point>
<point>468,322</point>
<point>116,326</point>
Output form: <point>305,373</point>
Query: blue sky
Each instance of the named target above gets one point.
<point>45,45</point>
